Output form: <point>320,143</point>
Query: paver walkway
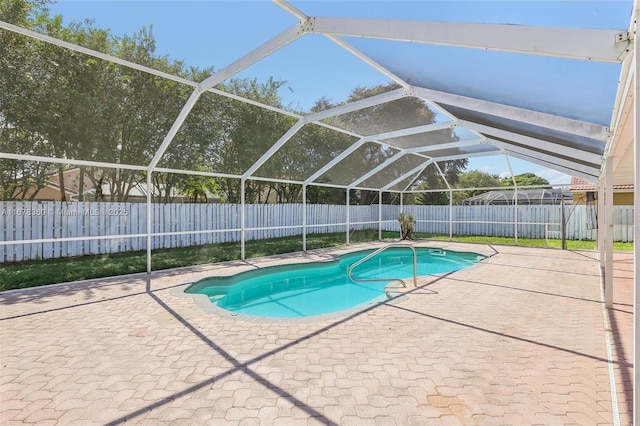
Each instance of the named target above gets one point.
<point>621,324</point>
<point>518,339</point>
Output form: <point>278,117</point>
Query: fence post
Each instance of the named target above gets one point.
<point>546,235</point>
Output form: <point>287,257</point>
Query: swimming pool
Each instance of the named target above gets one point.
<point>308,289</point>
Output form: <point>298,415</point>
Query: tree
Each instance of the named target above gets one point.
<point>526,179</point>
<point>198,188</point>
<point>19,179</point>
<point>247,133</point>
<point>431,179</point>
<point>475,179</point>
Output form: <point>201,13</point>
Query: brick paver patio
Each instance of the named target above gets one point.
<point>518,339</point>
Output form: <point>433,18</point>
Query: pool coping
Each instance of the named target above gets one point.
<point>396,294</point>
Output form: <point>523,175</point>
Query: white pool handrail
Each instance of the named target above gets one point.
<point>380,250</point>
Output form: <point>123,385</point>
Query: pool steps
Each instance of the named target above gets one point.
<point>380,250</point>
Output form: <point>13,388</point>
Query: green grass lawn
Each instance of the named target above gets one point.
<point>528,242</point>
<point>42,272</point>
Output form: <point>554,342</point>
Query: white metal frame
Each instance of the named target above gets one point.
<point>582,44</point>
<point>536,118</point>
<point>574,43</point>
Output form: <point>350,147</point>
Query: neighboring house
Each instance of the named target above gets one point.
<point>51,190</point>
<point>543,196</point>
<point>622,194</point>
<point>136,194</point>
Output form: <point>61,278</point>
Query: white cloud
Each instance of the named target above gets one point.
<point>553,176</point>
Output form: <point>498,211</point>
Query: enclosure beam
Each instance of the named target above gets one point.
<point>94,53</point>
<point>415,178</point>
<point>574,43</point>
<point>376,169</point>
<point>536,143</point>
<point>349,48</point>
<point>567,166</point>
<point>175,127</point>
<point>468,155</point>
<point>426,164</point>
<point>448,145</point>
<point>366,59</point>
<point>427,128</point>
<point>444,178</point>
<point>626,78</point>
<point>284,38</point>
<point>67,161</point>
<point>375,139</point>
<point>407,175</point>
<point>274,148</point>
<point>358,105</point>
<point>567,170</point>
<point>133,65</point>
<point>254,103</point>
<point>344,154</point>
<point>549,121</point>
<point>291,9</point>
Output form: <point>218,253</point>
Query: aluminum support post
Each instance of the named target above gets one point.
<point>608,217</point>
<point>450,215</point>
<point>515,205</point>
<point>563,225</point>
<point>401,207</point>
<point>380,216</point>
<point>304,217</point>
<point>149,227</point>
<point>243,216</point>
<point>348,215</point>
<point>601,227</point>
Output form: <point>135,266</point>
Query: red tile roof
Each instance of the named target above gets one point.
<point>578,184</point>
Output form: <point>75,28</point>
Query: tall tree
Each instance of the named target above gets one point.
<point>19,179</point>
<point>248,132</point>
<point>526,179</point>
<point>475,179</point>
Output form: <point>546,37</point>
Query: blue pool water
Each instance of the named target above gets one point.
<point>308,289</point>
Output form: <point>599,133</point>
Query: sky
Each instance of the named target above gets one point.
<point>215,33</point>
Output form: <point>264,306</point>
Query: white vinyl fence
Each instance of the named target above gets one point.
<point>42,227</point>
